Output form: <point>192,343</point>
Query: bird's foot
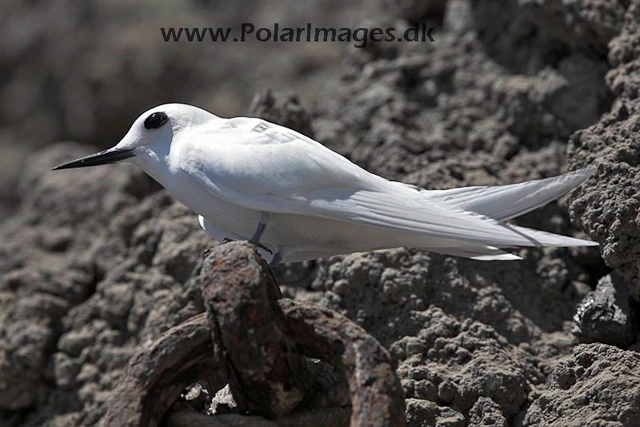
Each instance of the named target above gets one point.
<point>261,246</point>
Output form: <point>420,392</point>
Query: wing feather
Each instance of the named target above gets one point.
<point>504,202</point>
<point>300,176</point>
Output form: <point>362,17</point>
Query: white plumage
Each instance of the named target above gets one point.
<point>238,172</point>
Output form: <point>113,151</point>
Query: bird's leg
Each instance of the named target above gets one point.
<point>262,225</point>
<point>275,260</point>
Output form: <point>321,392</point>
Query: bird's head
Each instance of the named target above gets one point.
<point>155,128</point>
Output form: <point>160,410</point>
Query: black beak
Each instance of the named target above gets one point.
<point>110,155</point>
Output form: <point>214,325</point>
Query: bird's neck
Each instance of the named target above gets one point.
<point>156,162</point>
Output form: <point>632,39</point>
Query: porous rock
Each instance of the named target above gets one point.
<point>607,207</point>
<point>608,314</point>
<point>582,24</point>
<point>414,10</point>
<point>598,385</point>
<point>283,109</point>
<point>74,303</point>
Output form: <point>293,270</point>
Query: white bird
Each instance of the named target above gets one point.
<point>249,179</point>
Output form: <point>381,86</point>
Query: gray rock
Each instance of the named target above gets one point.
<point>458,16</point>
<point>582,24</point>
<point>414,10</point>
<point>80,296</point>
<point>486,412</point>
<point>66,369</point>
<point>607,206</point>
<point>608,314</point>
<point>283,109</point>
<point>598,385</point>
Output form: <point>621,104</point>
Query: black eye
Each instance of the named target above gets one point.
<point>155,120</point>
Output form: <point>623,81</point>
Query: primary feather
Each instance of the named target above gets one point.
<point>505,202</point>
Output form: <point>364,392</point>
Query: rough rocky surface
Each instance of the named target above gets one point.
<point>608,207</point>
<point>608,314</point>
<point>586,25</point>
<point>97,262</point>
<point>598,385</point>
<point>414,10</point>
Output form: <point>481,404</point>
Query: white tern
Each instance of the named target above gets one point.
<point>249,179</point>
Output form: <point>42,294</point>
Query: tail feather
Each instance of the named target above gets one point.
<point>505,202</point>
<point>541,238</point>
<point>536,238</point>
<point>477,252</point>
<point>510,201</point>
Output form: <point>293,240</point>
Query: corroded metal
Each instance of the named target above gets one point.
<point>273,352</point>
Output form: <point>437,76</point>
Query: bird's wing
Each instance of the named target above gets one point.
<point>504,202</point>
<point>266,167</point>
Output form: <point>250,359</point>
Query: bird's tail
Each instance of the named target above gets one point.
<point>510,201</point>
<point>505,202</point>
